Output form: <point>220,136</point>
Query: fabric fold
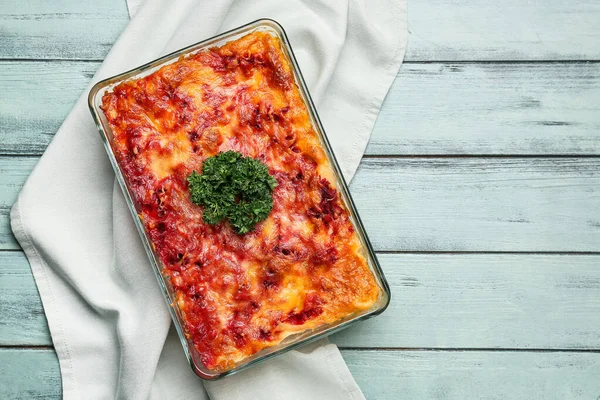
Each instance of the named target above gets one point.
<point>108,320</point>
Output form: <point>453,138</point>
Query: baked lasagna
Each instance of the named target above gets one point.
<point>300,268</point>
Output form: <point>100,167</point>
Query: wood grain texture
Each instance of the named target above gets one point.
<point>475,375</point>
<point>480,204</point>
<point>7,239</point>
<point>486,301</point>
<point>66,29</point>
<point>37,97</point>
<point>444,108</point>
<point>448,204</point>
<point>29,374</point>
<point>13,173</point>
<point>22,320</point>
<point>477,301</point>
<point>430,109</point>
<point>387,375</point>
<point>439,30</point>
<point>503,30</point>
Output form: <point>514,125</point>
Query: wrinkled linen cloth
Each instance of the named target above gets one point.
<point>108,319</point>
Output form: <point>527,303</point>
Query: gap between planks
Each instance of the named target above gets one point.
<point>573,61</point>
<point>401,156</point>
<point>432,156</point>
<point>522,62</point>
<point>459,252</point>
<point>412,62</point>
<point>405,349</point>
<point>448,252</point>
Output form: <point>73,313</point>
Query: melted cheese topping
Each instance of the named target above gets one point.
<point>300,268</point>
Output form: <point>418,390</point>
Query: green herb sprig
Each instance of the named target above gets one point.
<point>233,187</point>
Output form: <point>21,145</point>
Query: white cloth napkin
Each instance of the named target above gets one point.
<point>108,320</point>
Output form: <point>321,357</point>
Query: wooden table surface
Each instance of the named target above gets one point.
<point>480,189</point>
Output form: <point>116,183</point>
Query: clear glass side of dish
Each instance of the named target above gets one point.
<point>291,342</point>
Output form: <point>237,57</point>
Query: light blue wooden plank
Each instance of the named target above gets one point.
<point>480,204</point>
<point>491,109</point>
<point>37,98</point>
<point>459,375</point>
<point>446,30</point>
<point>486,301</point>
<point>431,108</point>
<point>503,30</point>
<point>387,375</point>
<point>438,301</point>
<point>13,173</point>
<point>22,319</point>
<point>7,239</point>
<point>450,204</point>
<point>29,374</point>
<point>49,29</point>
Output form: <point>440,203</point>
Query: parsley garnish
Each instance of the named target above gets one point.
<point>233,187</point>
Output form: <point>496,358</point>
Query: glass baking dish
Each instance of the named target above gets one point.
<point>293,341</point>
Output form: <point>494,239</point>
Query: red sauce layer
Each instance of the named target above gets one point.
<point>300,268</point>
